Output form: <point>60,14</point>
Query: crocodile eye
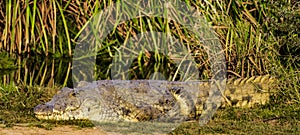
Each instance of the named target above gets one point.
<point>72,94</point>
<point>176,90</point>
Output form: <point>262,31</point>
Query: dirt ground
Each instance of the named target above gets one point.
<point>61,130</point>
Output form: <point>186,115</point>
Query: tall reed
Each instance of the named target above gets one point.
<point>254,34</point>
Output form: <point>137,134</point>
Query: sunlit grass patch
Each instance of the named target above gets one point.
<point>17,102</point>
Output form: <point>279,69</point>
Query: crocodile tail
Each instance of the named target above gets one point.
<point>241,92</point>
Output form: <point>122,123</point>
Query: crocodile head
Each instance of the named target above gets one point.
<point>67,104</point>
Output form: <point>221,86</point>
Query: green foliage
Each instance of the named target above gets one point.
<point>6,62</point>
<point>20,102</point>
<point>284,22</point>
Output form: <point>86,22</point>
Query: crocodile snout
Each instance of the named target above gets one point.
<point>43,109</point>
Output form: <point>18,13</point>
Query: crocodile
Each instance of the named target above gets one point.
<point>150,100</point>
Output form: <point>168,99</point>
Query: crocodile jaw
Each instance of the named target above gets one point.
<point>48,112</point>
<point>65,105</point>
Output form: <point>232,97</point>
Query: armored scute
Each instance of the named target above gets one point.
<point>151,100</point>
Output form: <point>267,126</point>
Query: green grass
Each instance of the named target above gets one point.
<point>240,127</point>
<point>252,33</point>
<point>7,63</point>
<point>17,103</point>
